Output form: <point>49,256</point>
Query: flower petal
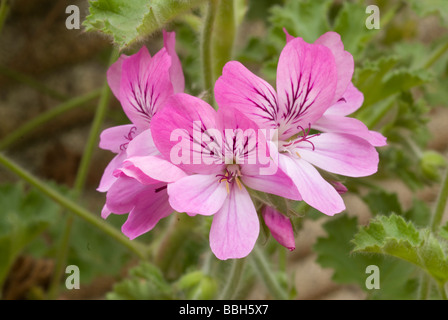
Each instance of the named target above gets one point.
<point>351,101</point>
<point>242,90</point>
<point>197,194</point>
<point>108,178</point>
<point>344,61</point>
<point>117,138</point>
<point>341,154</point>
<point>180,130</point>
<point>314,190</point>
<point>142,145</point>
<point>151,205</point>
<point>114,75</point>
<point>122,195</point>
<point>280,227</point>
<point>145,85</point>
<point>235,226</point>
<point>176,73</point>
<point>153,167</point>
<point>277,182</point>
<point>306,83</point>
<point>339,124</point>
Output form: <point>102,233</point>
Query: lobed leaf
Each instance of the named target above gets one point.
<point>127,21</point>
<point>394,236</point>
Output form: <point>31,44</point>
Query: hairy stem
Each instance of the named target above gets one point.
<point>134,246</point>
<point>80,179</point>
<point>261,266</point>
<point>234,279</point>
<point>206,50</point>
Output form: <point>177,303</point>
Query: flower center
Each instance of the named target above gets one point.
<point>231,175</point>
<point>291,146</point>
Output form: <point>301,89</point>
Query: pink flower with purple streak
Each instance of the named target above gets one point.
<point>142,84</point>
<point>217,186</point>
<point>314,91</point>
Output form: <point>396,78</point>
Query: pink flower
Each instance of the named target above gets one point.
<point>311,78</point>
<point>280,227</point>
<point>142,84</point>
<point>220,152</point>
<point>142,195</point>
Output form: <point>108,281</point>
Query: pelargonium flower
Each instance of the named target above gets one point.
<point>223,154</point>
<point>311,78</point>
<point>142,84</point>
<point>145,198</point>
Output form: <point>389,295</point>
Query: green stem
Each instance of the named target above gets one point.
<point>81,177</point>
<point>19,77</point>
<point>36,122</point>
<point>234,279</point>
<point>206,50</point>
<point>224,36</point>
<point>440,204</point>
<point>4,11</point>
<point>92,140</point>
<point>436,56</point>
<point>134,246</point>
<point>442,292</point>
<point>261,265</point>
<point>424,288</point>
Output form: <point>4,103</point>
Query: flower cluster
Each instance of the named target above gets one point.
<point>179,154</point>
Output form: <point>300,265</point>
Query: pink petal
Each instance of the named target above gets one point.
<point>341,154</point>
<point>117,138</point>
<point>277,183</point>
<point>176,73</point>
<point>344,61</point>
<point>142,145</point>
<point>288,36</point>
<point>105,212</point>
<point>280,227</point>
<point>153,167</point>
<point>306,83</point>
<point>151,205</point>
<point>197,194</point>
<point>340,124</point>
<point>351,101</point>
<point>242,90</point>
<point>122,195</point>
<point>340,188</point>
<point>314,190</point>
<point>114,75</point>
<point>145,85</point>
<point>108,178</point>
<point>235,226</point>
<point>179,129</point>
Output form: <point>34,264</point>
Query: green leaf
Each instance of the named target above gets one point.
<point>382,78</point>
<point>394,236</point>
<point>383,202</point>
<point>145,282</point>
<point>335,251</point>
<point>24,216</point>
<point>127,21</point>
